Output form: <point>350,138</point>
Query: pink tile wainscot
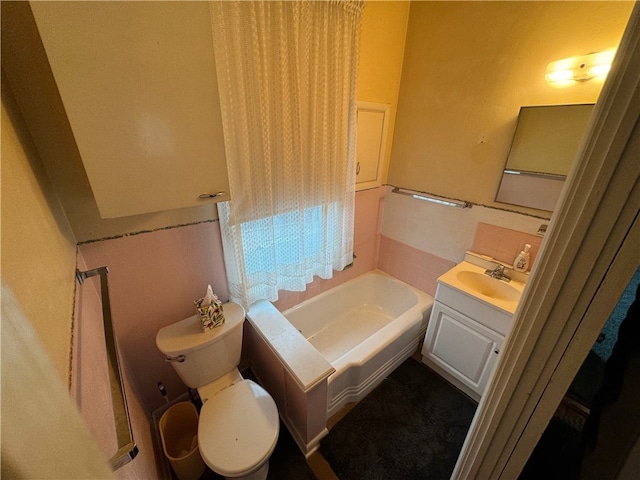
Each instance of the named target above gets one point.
<point>415,267</point>
<point>153,280</point>
<point>504,244</point>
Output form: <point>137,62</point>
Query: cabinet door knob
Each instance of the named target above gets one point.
<point>358,168</point>
<point>496,351</point>
<point>211,195</point>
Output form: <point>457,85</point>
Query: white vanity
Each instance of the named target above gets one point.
<point>470,318</point>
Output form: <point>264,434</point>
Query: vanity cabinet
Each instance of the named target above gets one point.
<point>138,84</point>
<point>461,349</point>
<point>464,337</point>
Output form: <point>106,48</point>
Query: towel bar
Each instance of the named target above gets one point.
<point>433,198</point>
<point>127,449</point>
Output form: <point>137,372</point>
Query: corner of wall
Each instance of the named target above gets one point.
<point>38,245</point>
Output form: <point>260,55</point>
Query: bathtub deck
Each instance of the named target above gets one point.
<point>345,332</point>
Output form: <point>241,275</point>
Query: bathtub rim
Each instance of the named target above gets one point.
<point>374,271</point>
<point>408,328</point>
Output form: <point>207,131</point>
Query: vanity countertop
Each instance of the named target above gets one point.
<point>471,280</point>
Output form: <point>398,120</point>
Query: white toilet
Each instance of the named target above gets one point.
<point>238,426</point>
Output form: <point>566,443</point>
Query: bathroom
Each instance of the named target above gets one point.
<point>159,262</point>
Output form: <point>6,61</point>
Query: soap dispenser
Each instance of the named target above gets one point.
<point>521,263</point>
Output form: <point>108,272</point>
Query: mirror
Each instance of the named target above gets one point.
<point>544,145</point>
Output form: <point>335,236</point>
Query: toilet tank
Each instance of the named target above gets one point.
<point>202,357</point>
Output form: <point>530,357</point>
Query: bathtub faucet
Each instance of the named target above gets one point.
<point>498,273</point>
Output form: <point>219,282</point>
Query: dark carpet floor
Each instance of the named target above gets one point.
<point>411,426</point>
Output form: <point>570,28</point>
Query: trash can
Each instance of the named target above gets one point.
<point>179,434</point>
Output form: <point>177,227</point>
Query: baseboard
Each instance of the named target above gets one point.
<point>307,448</point>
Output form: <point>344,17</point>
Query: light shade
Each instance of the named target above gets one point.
<point>580,69</point>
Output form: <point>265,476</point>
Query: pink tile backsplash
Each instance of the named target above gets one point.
<point>415,267</point>
<point>154,278</point>
<point>421,269</point>
<point>91,387</point>
<point>504,244</point>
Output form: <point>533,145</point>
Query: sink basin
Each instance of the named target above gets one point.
<point>487,286</point>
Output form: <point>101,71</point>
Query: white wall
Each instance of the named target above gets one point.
<point>444,231</point>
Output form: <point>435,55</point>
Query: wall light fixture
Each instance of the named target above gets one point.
<point>580,69</point>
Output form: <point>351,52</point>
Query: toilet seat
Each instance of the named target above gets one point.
<point>238,429</point>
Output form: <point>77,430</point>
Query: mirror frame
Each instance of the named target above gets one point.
<point>534,188</point>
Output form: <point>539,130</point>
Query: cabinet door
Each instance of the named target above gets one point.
<point>461,349</point>
<point>138,83</point>
<point>373,122</point>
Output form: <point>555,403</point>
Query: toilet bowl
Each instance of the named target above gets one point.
<point>238,425</point>
<point>239,429</point>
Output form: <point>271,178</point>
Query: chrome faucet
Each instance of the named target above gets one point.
<point>498,273</point>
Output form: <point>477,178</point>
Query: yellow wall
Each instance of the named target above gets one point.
<point>38,247</point>
<point>383,34</point>
<point>468,67</point>
<point>384,28</point>
<point>26,65</point>
<point>45,210</point>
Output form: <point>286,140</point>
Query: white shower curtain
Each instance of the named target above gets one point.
<point>287,77</point>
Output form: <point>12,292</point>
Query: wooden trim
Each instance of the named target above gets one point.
<point>585,257</point>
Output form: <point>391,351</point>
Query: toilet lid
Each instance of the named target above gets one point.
<point>238,429</point>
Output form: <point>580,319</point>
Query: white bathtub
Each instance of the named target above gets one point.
<point>364,328</point>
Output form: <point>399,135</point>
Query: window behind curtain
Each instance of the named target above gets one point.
<point>287,75</point>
